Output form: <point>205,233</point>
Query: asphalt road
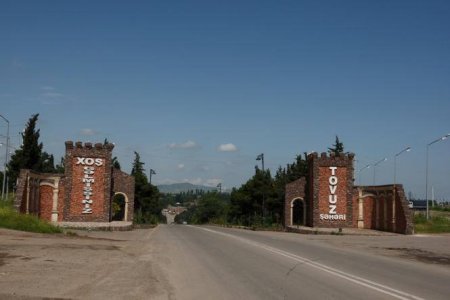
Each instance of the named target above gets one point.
<point>201,262</point>
<point>220,263</point>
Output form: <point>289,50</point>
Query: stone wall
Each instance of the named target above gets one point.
<point>21,191</point>
<point>46,202</point>
<point>38,194</point>
<point>78,158</point>
<point>294,190</point>
<point>384,208</point>
<point>61,198</point>
<point>331,186</point>
<point>124,184</point>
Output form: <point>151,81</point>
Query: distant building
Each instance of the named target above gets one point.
<point>418,204</point>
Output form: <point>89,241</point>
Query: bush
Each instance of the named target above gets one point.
<point>141,217</point>
<point>436,224</point>
<point>11,219</point>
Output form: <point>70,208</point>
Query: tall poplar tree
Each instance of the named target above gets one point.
<point>337,148</point>
<point>29,155</point>
<point>147,206</point>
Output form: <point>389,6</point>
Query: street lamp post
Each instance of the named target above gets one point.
<point>359,173</point>
<point>407,149</point>
<point>261,158</point>
<point>375,167</point>
<point>426,171</point>
<point>6,156</point>
<point>152,172</point>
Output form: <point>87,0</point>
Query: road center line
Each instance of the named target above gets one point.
<point>350,277</point>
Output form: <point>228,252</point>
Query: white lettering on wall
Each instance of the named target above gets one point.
<point>88,180</point>
<point>89,161</point>
<point>332,198</point>
<point>332,217</point>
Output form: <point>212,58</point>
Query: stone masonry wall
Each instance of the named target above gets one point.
<point>46,202</point>
<point>74,208</point>
<point>21,191</point>
<point>380,212</point>
<point>34,193</point>
<point>124,183</point>
<point>327,191</point>
<point>294,190</point>
<point>41,193</point>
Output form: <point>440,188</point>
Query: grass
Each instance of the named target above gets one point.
<point>11,219</point>
<point>436,224</point>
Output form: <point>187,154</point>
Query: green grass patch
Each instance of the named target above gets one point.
<point>11,219</point>
<point>436,224</point>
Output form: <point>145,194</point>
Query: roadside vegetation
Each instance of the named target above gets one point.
<point>257,204</point>
<point>438,223</point>
<point>11,219</point>
<point>147,199</point>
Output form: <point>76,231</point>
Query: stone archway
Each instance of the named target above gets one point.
<point>298,212</point>
<point>119,207</point>
<point>294,191</point>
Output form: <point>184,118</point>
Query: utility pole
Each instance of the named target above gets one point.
<point>261,158</point>
<point>375,167</point>
<point>152,172</point>
<point>6,157</point>
<point>426,171</point>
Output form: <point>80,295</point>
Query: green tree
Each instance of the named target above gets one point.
<point>147,205</point>
<point>211,207</point>
<point>115,163</point>
<point>246,203</point>
<point>140,181</point>
<point>337,148</point>
<point>253,200</point>
<point>29,155</point>
<point>59,168</point>
<point>46,163</point>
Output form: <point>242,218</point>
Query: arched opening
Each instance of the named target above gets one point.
<point>298,212</point>
<point>119,207</point>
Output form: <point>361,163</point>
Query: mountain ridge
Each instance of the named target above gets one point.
<point>175,188</point>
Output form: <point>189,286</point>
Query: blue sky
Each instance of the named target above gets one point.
<point>200,88</point>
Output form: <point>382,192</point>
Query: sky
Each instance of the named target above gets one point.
<point>200,88</point>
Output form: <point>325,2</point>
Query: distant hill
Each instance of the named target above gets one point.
<point>183,187</point>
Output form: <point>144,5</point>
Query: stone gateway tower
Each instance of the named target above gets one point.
<point>331,183</point>
<point>327,198</point>
<point>84,193</point>
<point>88,176</point>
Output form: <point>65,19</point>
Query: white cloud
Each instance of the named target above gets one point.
<point>227,148</point>
<point>213,182</point>
<point>47,88</point>
<point>180,166</point>
<point>49,95</point>
<point>17,64</point>
<point>52,95</point>
<point>186,145</point>
<point>88,132</point>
